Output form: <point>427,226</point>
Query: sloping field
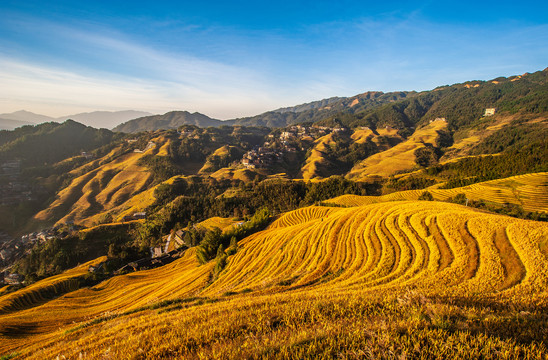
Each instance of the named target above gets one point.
<point>219,222</point>
<point>223,151</point>
<point>399,157</point>
<point>182,278</point>
<point>319,282</point>
<point>108,186</point>
<point>316,162</point>
<point>529,191</point>
<point>46,289</point>
<point>238,174</point>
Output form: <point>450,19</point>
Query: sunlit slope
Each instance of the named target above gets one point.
<point>46,289</point>
<point>182,278</point>
<point>109,185</point>
<point>399,157</point>
<point>217,222</point>
<point>223,151</point>
<point>316,163</point>
<point>439,248</point>
<point>529,191</point>
<point>135,203</point>
<point>377,251</point>
<point>238,174</point>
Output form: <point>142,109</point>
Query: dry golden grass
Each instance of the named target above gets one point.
<point>117,185</point>
<point>314,167</point>
<point>320,282</point>
<point>362,135</point>
<point>219,222</point>
<point>400,157</point>
<point>529,191</point>
<point>46,289</point>
<point>238,174</point>
<point>102,189</point>
<point>221,152</point>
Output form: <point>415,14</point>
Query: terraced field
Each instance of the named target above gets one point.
<point>238,174</point>
<point>223,151</point>
<point>47,289</point>
<point>113,182</point>
<point>319,282</point>
<point>221,223</point>
<point>401,156</point>
<point>316,162</point>
<point>441,249</point>
<point>529,191</point>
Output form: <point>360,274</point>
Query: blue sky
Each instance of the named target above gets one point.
<point>239,58</point>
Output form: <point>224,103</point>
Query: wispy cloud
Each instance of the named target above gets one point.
<point>57,68</point>
<point>57,92</point>
<point>104,69</point>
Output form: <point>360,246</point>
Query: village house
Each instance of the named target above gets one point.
<point>489,112</point>
<point>14,279</point>
<point>156,252</point>
<point>96,268</point>
<point>135,216</point>
<point>286,135</point>
<point>86,155</point>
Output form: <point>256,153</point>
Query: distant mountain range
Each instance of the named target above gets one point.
<point>401,109</point>
<point>96,119</point>
<point>308,112</point>
<point>9,124</point>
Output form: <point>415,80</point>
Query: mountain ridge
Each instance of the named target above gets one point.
<point>97,119</point>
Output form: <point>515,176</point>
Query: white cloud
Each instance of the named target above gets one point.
<point>101,69</point>
<point>57,92</point>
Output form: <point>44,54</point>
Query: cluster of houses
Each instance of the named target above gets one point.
<point>12,190</point>
<point>188,133</point>
<point>308,132</point>
<point>11,279</point>
<point>265,156</point>
<point>12,249</point>
<point>261,157</point>
<point>135,216</point>
<point>160,255</point>
<point>86,155</point>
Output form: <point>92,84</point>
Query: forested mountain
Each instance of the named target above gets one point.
<point>48,143</point>
<point>310,112</point>
<point>170,120</point>
<point>461,104</point>
<point>96,119</point>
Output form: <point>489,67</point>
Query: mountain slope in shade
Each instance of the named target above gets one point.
<point>23,115</point>
<point>170,120</point>
<point>105,119</point>
<point>8,124</point>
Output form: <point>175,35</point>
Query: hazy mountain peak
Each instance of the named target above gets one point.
<point>105,119</point>
<point>26,116</point>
